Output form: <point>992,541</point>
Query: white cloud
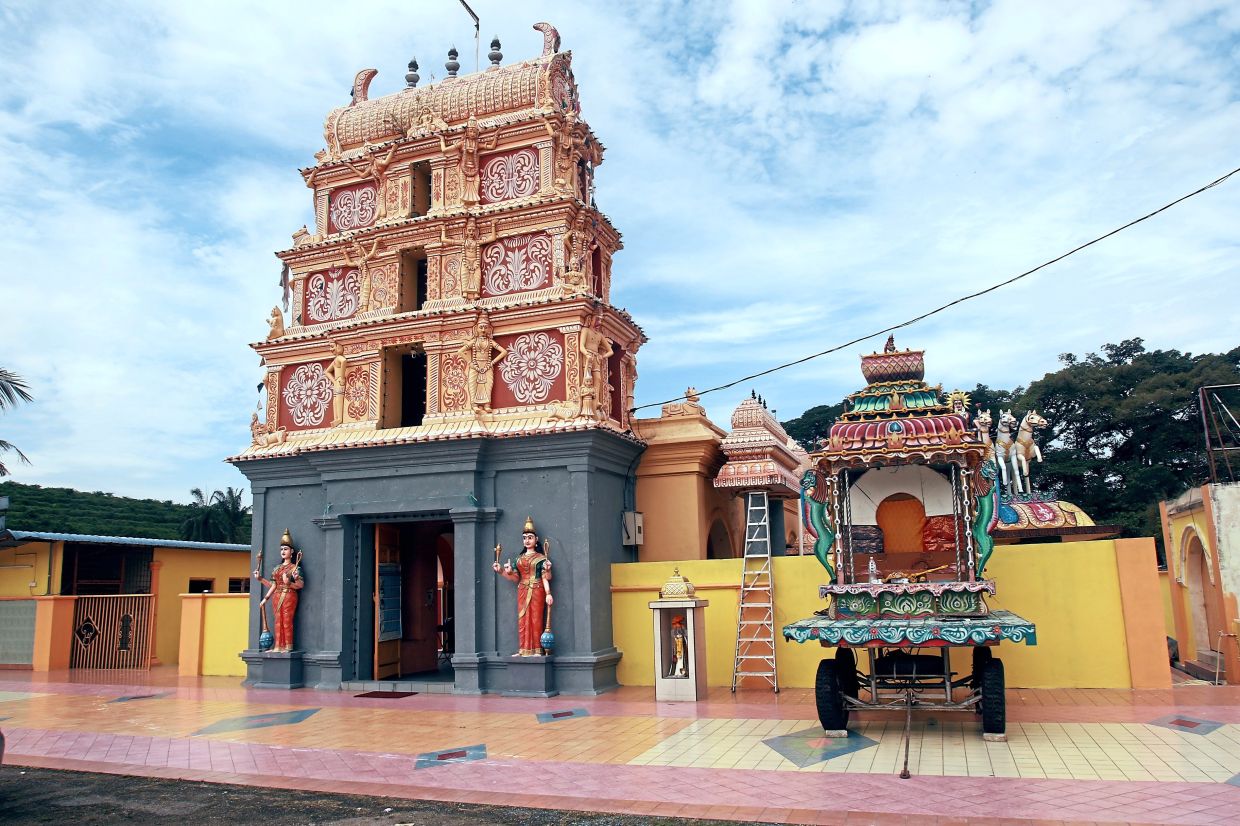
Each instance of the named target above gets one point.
<point>786,175</point>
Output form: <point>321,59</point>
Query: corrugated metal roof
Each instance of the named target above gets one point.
<point>45,536</point>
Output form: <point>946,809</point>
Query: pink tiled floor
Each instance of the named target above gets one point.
<point>595,763</point>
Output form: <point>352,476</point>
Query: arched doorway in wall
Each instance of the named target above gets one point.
<point>902,520</point>
<point>718,542</point>
<point>1196,577</point>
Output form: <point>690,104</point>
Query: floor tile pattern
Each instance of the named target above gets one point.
<point>1101,756</point>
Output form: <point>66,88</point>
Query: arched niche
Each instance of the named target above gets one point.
<point>930,488</point>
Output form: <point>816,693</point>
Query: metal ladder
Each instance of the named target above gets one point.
<point>755,612</point>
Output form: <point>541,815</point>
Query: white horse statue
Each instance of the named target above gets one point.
<point>982,422</point>
<point>1004,440</point>
<point>1024,449</point>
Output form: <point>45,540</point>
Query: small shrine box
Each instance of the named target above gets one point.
<point>679,642</point>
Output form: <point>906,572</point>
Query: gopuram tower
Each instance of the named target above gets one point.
<point>449,365</point>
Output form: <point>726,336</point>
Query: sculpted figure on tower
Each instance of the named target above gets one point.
<point>480,364</point>
<point>471,264</point>
<point>464,152</point>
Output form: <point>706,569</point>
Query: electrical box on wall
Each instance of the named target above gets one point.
<point>634,529</point>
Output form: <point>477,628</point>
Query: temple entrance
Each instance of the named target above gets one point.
<point>413,600</point>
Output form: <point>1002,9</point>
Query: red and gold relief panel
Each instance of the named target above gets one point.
<point>509,175</point>
<point>358,388</point>
<point>517,264</point>
<point>532,372</point>
<point>305,396</point>
<point>331,295</point>
<point>453,394</point>
<point>352,207</point>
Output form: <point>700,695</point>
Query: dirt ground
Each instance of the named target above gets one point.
<point>46,796</point>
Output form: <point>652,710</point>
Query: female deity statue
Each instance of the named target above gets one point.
<point>335,371</point>
<point>286,580</point>
<point>532,573</point>
<point>480,364</point>
<point>465,153</point>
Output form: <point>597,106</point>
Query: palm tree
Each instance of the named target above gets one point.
<point>12,390</point>
<point>231,513</point>
<point>219,517</point>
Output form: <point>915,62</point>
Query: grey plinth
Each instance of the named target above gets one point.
<point>529,677</point>
<point>280,669</point>
<point>675,680</point>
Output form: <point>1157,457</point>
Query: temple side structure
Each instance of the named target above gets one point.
<point>450,364</point>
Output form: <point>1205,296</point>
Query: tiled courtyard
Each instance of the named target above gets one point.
<point>1072,755</point>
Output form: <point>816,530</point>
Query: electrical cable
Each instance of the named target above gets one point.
<point>950,304</point>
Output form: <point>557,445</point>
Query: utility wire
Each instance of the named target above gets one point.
<point>949,304</point>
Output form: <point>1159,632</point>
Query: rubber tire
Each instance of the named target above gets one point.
<point>832,711</point>
<point>981,655</point>
<point>846,670</point>
<point>994,703</point>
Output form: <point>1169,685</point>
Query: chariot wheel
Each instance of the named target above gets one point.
<point>994,704</point>
<point>832,711</point>
<point>981,656</point>
<point>846,671</point>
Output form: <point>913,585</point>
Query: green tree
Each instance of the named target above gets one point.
<point>13,389</point>
<point>220,517</point>
<point>813,424</point>
<point>1125,429</point>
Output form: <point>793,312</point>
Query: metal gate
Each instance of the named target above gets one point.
<point>112,632</point>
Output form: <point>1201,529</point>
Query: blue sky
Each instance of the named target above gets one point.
<point>787,176</point>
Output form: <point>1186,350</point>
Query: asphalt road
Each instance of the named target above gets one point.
<point>46,796</point>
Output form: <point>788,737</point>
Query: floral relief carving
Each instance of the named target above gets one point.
<point>452,371</point>
<point>354,207</point>
<point>384,285</point>
<point>516,264</point>
<point>333,295</point>
<point>307,395</point>
<point>534,362</point>
<point>511,175</point>
<point>357,391</point>
<point>451,276</point>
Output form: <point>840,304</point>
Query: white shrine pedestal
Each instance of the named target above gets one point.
<point>669,683</point>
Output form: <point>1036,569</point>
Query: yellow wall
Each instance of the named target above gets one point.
<point>15,581</point>
<point>178,566</point>
<point>1164,587</point>
<point>224,634</point>
<point>1069,590</point>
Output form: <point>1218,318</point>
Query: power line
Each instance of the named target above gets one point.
<point>949,304</point>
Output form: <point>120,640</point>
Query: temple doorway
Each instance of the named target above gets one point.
<point>413,600</point>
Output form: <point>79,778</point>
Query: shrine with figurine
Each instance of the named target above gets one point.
<point>900,499</point>
<point>445,362</point>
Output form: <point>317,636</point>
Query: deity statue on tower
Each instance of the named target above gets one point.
<point>532,573</point>
<point>465,152</point>
<point>480,364</point>
<point>286,580</point>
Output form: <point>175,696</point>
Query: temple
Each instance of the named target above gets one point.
<point>453,296</point>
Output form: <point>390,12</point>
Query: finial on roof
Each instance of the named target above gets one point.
<point>453,64</point>
<point>753,394</point>
<point>891,344</point>
<point>495,54</point>
<point>551,38</point>
<point>411,76</point>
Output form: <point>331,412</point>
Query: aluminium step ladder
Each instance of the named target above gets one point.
<point>755,612</point>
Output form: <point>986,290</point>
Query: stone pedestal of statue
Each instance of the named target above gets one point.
<point>280,669</point>
<point>529,677</point>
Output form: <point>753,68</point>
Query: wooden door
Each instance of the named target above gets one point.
<point>420,645</point>
<point>388,573</point>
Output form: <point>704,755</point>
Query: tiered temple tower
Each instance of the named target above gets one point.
<point>450,363</point>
